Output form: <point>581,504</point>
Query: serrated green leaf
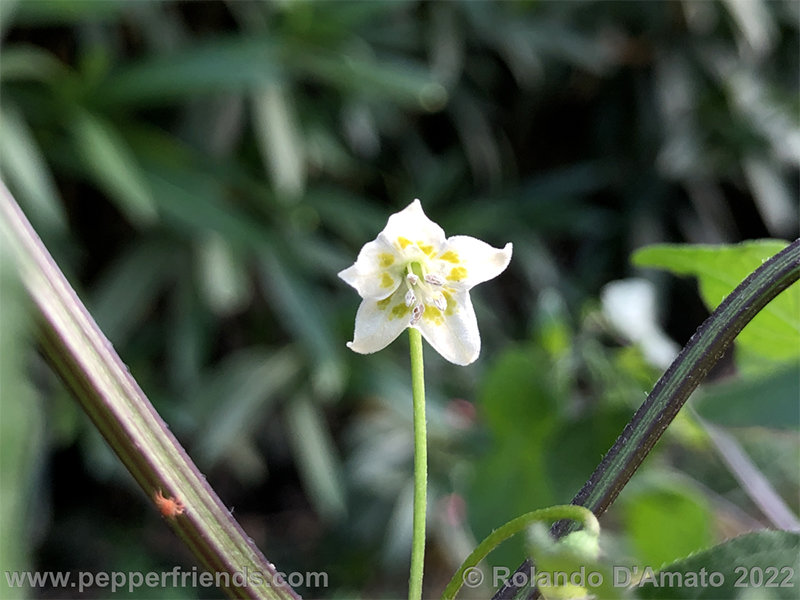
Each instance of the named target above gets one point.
<point>774,333</point>
<point>763,564</point>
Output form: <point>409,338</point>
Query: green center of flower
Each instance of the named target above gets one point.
<point>422,288</point>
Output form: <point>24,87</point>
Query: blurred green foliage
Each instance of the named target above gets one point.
<point>201,171</point>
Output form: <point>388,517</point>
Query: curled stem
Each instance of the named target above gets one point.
<point>514,526</point>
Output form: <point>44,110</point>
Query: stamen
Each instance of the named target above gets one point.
<point>440,302</point>
<point>410,298</point>
<point>416,313</point>
<point>412,279</point>
<point>433,279</point>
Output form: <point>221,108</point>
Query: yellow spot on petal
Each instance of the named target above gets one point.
<point>387,280</point>
<point>433,314</point>
<point>457,274</point>
<point>382,304</point>
<point>451,303</point>
<point>403,242</point>
<point>450,256</point>
<point>426,248</point>
<point>385,259</point>
<point>399,310</point>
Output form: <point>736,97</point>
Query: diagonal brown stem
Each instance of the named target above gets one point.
<point>101,382</point>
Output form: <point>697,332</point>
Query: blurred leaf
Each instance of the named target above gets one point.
<point>20,426</point>
<point>223,276</point>
<point>238,396</point>
<point>120,307</point>
<point>574,448</point>
<point>216,65</point>
<point>768,400</point>
<point>64,12</point>
<point>26,169</point>
<point>405,83</point>
<point>666,519</point>
<point>28,62</point>
<point>110,161</point>
<point>316,456</point>
<point>774,333</point>
<point>521,411</point>
<point>280,140</point>
<point>193,202</point>
<point>762,564</point>
<point>303,315</point>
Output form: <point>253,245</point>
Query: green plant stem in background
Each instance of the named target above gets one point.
<point>551,513</point>
<point>420,466</point>
<point>702,351</point>
<point>87,362</point>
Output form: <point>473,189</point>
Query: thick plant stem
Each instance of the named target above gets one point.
<point>701,352</point>
<point>101,382</point>
<point>420,466</point>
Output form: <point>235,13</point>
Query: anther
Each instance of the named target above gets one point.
<point>410,298</point>
<point>412,279</point>
<point>433,279</point>
<point>416,313</point>
<point>440,302</point>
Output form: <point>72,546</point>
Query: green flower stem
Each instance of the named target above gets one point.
<point>551,513</point>
<point>87,362</point>
<point>701,352</point>
<point>420,466</point>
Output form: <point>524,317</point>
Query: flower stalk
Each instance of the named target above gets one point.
<point>420,466</point>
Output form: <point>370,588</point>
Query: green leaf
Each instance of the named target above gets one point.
<point>64,12</point>
<point>774,333</point>
<point>763,564</point>
<point>222,276</point>
<point>219,65</point>
<point>29,62</point>
<point>21,424</point>
<point>316,456</point>
<point>666,519</point>
<point>237,396</point>
<point>520,408</point>
<point>119,307</point>
<point>112,164</point>
<point>767,400</point>
<point>404,83</point>
<point>23,163</point>
<point>300,309</point>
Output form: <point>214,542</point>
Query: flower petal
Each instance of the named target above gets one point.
<point>377,271</point>
<point>465,261</point>
<point>378,323</point>
<point>412,226</point>
<point>453,333</point>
